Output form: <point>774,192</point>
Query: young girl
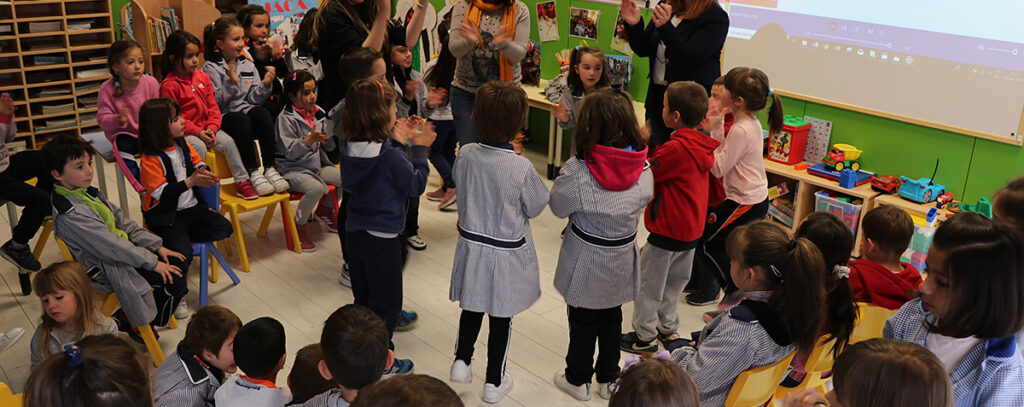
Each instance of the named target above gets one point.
<point>69,310</point>
<point>193,91</point>
<point>119,101</point>
<point>303,53</point>
<point>654,383</point>
<point>834,240</point>
<point>588,70</point>
<point>495,269</point>
<point>439,75</point>
<point>99,371</point>
<point>381,179</point>
<point>971,307</point>
<point>784,281</point>
<point>300,133</point>
<point>599,262</point>
<point>170,168</point>
<point>241,93</point>
<point>263,50</point>
<point>739,162</point>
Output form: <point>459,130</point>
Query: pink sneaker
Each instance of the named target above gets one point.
<point>245,190</point>
<point>328,216</point>
<point>436,196</point>
<point>304,240</point>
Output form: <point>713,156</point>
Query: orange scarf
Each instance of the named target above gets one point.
<point>476,10</point>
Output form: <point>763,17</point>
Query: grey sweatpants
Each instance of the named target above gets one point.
<point>226,145</point>
<point>663,274</point>
<point>313,187</point>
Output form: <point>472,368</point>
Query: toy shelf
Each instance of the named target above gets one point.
<point>914,209</point>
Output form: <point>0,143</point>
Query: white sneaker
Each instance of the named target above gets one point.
<point>492,393</point>
<point>182,311</point>
<point>280,184</point>
<point>604,390</point>
<point>461,372</point>
<point>416,242</point>
<point>581,392</point>
<point>346,278</point>
<point>258,181</point>
<point>9,338</point>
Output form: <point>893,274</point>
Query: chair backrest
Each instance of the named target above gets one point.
<point>756,386</point>
<point>870,321</point>
<point>8,399</point>
<point>821,358</point>
<point>209,195</point>
<point>219,167</point>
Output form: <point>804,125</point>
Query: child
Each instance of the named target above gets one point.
<point>783,279</point>
<point>879,277</point>
<point>304,164</point>
<point>193,91</point>
<point>119,101</point>
<point>69,310</point>
<point>381,180</point>
<point>303,52</point>
<point>126,258</point>
<point>305,380</point>
<point>1008,203</point>
<point>588,70</point>
<point>739,162</point>
<point>495,269</point>
<point>971,306</point>
<point>241,93</point>
<point>654,382</point>
<point>355,353</point>
<point>170,169</point>
<point>598,263</point>
<point>835,242</point>
<point>98,371</point>
<point>13,189</point>
<point>259,351</point>
<point>882,373</point>
<point>262,49</point>
<point>408,391</point>
<point>716,190</point>
<point>439,75</point>
<point>675,218</point>
<point>191,375</point>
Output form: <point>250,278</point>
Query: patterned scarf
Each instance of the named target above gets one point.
<point>476,10</point>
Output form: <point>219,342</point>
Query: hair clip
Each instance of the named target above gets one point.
<point>776,273</point>
<point>294,74</point>
<point>841,271</point>
<point>771,93</point>
<point>791,245</point>
<point>381,84</point>
<point>74,353</point>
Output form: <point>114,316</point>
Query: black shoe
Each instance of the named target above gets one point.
<point>698,298</point>
<point>22,258</point>
<point>631,343</point>
<point>26,282</point>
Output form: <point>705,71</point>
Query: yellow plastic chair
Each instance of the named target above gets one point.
<point>870,321</point>
<point>818,363</point>
<point>110,302</point>
<point>756,386</point>
<point>232,205</point>
<point>44,235</point>
<point>7,399</point>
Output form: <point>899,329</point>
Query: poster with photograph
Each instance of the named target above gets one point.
<point>619,67</point>
<point>284,20</point>
<point>619,41</point>
<point>547,21</point>
<point>583,23</point>
<point>530,66</point>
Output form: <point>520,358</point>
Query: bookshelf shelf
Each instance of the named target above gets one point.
<point>151,20</point>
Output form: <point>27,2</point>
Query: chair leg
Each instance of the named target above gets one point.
<point>64,249</point>
<point>151,344</point>
<point>286,212</point>
<point>204,264</point>
<point>110,303</point>
<point>225,265</point>
<point>243,257</point>
<point>44,235</point>
<point>265,224</point>
<point>287,236</point>
<point>172,323</point>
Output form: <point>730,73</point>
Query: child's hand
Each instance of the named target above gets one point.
<point>714,109</point>
<point>163,252</point>
<point>470,32</point>
<point>411,86</point>
<point>662,14</point>
<point>436,97</point>
<point>268,78</point>
<point>423,136</point>
<point>561,112</point>
<point>805,398</point>
<point>208,137</point>
<point>629,12</point>
<point>6,104</point>
<point>232,68</point>
<point>260,49</point>
<point>316,136</point>
<point>645,132</point>
<point>166,270</point>
<point>122,116</point>
<point>203,178</point>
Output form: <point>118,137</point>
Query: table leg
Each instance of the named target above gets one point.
<point>558,152</point>
<point>552,131</point>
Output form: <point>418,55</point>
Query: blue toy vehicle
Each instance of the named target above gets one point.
<point>921,190</point>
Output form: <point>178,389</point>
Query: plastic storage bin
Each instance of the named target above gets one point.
<point>919,244</point>
<point>788,146</point>
<point>847,212</point>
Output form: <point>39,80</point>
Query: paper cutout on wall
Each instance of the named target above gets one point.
<point>619,41</point>
<point>583,22</point>
<point>547,21</point>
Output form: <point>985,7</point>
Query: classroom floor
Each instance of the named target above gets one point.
<point>301,290</point>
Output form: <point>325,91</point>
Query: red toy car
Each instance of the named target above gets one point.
<point>943,199</point>
<point>886,183</point>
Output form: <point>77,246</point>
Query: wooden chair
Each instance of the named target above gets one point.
<point>819,362</point>
<point>332,192</point>
<point>756,386</point>
<point>870,321</point>
<point>110,302</point>
<point>232,204</point>
<point>8,399</point>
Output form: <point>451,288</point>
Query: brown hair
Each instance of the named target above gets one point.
<point>216,32</point>
<point>794,267</point>
<point>367,112</point>
<point>719,81</point>
<point>305,38</point>
<point>69,276</point>
<point>356,64</point>
<point>175,47</point>
<point>696,9</point>
<point>889,373</point>
<point>574,81</point>
<point>690,100</point>
<point>208,329</point>
<point>355,346</point>
<point>1008,205</point>
<point>985,268</point>
<point>245,14</point>
<point>835,242</point>
<point>411,390</point>
<point>109,373</point>
<point>118,51</point>
<point>889,227</point>
<point>607,118</point>
<point>63,148</point>
<point>500,111</point>
<point>155,118</point>
<point>655,383</point>
<point>305,380</point>
<point>751,84</point>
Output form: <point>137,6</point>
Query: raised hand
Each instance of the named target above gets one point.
<point>662,15</point>
<point>629,12</point>
<point>411,86</point>
<point>436,97</point>
<point>316,136</point>
<point>6,103</point>
<point>470,32</point>
<point>268,78</point>
<point>423,135</point>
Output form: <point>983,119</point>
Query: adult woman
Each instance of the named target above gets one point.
<point>490,40</point>
<point>684,41</point>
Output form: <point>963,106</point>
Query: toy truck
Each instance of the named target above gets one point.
<point>843,156</point>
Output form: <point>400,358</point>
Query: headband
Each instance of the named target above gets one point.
<point>381,84</point>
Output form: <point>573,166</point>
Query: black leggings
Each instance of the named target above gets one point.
<point>34,199</point>
<point>497,342</point>
<point>711,258</point>
<point>587,327</point>
<point>248,128</point>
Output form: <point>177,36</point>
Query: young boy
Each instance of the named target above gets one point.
<point>13,188</point>
<point>116,252</point>
<point>355,352</point>
<point>305,380</point>
<point>879,277</point>
<point>259,351</point>
<point>191,376</point>
<point>675,218</point>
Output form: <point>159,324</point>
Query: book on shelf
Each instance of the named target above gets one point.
<point>87,119</point>
<point>17,146</point>
<point>98,58</point>
<point>88,87</point>
<point>6,29</point>
<point>48,59</point>
<point>125,31</point>
<point>79,25</point>
<point>54,124</point>
<point>92,73</point>
<point>168,14</point>
<point>45,26</point>
<point>45,46</point>
<point>61,108</point>
<point>45,93</point>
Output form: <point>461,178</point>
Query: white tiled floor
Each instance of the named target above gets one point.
<point>301,290</point>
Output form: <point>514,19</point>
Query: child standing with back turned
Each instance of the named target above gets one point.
<point>599,261</point>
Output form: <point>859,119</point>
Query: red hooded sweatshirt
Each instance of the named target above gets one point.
<point>676,215</point>
<point>195,95</point>
<point>616,169</point>
<point>870,282</point>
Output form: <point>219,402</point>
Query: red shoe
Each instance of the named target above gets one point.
<point>447,200</point>
<point>436,196</point>
<point>328,216</point>
<point>245,190</point>
<point>304,241</point>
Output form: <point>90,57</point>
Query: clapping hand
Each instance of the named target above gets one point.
<point>662,15</point>
<point>202,178</point>
<point>470,32</point>
<point>629,12</point>
<point>268,77</point>
<point>436,97</point>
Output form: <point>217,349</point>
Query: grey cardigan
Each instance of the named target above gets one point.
<point>249,92</point>
<point>474,66</point>
<point>292,152</point>
<point>55,344</point>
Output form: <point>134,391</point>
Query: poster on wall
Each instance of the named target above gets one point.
<point>547,21</point>
<point>619,67</point>
<point>583,22</point>
<point>285,17</point>
<point>619,41</point>
<point>530,66</point>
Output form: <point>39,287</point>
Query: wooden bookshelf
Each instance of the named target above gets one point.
<point>193,16</point>
<point>40,60</point>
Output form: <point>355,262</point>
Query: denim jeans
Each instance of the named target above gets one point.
<point>462,112</point>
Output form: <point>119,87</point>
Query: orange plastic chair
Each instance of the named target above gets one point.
<point>755,387</point>
<point>232,205</point>
<point>819,362</point>
<point>7,399</point>
<point>109,303</point>
<point>870,321</point>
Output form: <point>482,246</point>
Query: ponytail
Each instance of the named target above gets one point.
<point>835,242</point>
<point>775,115</point>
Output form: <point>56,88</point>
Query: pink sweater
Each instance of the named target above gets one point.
<point>738,160</point>
<point>110,106</point>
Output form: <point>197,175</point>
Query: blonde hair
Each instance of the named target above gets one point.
<point>68,276</point>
